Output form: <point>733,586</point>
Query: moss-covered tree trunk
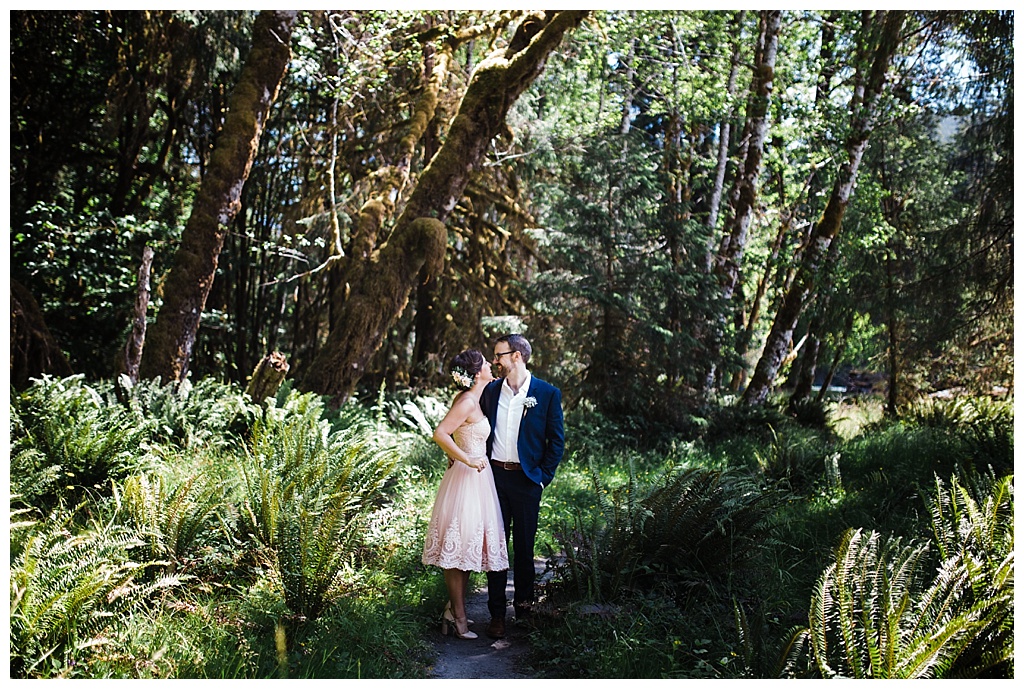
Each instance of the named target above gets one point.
<point>734,242</point>
<point>377,291</point>
<point>173,335</point>
<point>724,133</point>
<point>883,35</point>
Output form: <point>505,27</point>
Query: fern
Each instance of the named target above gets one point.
<point>306,490</point>
<point>69,438</point>
<point>685,531</point>
<point>873,615</point>
<point>207,414</point>
<point>66,588</point>
<point>171,517</point>
<point>972,524</point>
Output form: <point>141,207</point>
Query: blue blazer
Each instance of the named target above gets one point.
<point>541,432</point>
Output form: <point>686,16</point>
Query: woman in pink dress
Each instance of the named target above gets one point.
<point>465,532</point>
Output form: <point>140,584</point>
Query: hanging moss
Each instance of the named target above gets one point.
<point>376,295</point>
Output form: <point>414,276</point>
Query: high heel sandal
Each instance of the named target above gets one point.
<point>451,616</point>
<point>448,618</point>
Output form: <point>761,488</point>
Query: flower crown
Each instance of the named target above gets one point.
<point>462,378</point>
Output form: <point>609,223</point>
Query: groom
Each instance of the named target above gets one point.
<point>525,447</point>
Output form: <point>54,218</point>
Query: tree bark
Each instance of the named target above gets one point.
<point>132,354</point>
<point>218,200</point>
<point>744,194</point>
<point>379,293</point>
<point>884,35</point>
<point>267,377</point>
<point>724,132</point>
<point>755,131</point>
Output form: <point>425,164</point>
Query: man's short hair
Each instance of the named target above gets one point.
<point>518,343</point>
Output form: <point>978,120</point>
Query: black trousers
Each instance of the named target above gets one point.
<point>519,498</point>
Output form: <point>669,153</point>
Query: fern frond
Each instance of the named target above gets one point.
<point>66,586</point>
<point>306,489</point>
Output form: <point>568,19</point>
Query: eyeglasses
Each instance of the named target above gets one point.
<point>498,356</point>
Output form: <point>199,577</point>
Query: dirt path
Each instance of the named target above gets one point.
<point>481,658</point>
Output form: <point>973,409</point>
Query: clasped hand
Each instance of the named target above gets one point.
<point>477,464</point>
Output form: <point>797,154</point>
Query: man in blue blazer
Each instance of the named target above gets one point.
<point>525,446</point>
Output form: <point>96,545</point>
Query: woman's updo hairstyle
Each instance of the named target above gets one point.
<point>464,367</point>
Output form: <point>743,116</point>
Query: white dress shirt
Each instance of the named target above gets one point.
<point>510,415</point>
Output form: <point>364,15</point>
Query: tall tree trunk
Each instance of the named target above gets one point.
<point>378,293</point>
<point>132,354</point>
<point>884,35</point>
<point>822,89</point>
<point>806,364</point>
<point>629,85</point>
<point>837,357</point>
<point>724,131</point>
<point>802,378</point>
<point>218,200</point>
<point>756,130</point>
<point>744,195</point>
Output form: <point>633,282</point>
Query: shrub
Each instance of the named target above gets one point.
<point>66,587</point>
<point>687,531</point>
<point>306,489</point>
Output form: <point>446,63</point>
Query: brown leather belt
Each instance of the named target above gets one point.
<point>508,466</point>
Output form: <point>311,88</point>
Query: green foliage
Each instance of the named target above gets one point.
<point>670,557</point>
<point>306,491</point>
<point>642,636</point>
<point>66,438</point>
<point>732,420</point>
<point>972,524</point>
<point>208,414</point>
<point>686,532</point>
<point>809,412</point>
<point>174,516</point>
<point>82,271</point>
<point>67,587</point>
<point>985,426</point>
<point>795,461</point>
<point>874,613</point>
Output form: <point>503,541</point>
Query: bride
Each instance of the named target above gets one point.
<point>465,532</point>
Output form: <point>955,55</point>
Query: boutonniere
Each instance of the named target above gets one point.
<point>528,404</point>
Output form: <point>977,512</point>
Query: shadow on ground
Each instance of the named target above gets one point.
<point>483,657</point>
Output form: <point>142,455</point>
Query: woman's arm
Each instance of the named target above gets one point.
<point>455,417</point>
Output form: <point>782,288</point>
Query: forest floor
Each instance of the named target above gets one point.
<point>483,657</point>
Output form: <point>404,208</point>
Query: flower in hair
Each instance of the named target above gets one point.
<point>462,377</point>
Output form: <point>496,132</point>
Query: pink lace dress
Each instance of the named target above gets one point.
<point>465,530</point>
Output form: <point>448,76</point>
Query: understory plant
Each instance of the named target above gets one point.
<point>68,438</point>
<point>686,531</point>
<point>68,586</point>
<point>172,514</point>
<point>876,612</point>
<point>307,488</point>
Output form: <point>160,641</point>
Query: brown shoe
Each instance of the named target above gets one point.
<point>496,628</point>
